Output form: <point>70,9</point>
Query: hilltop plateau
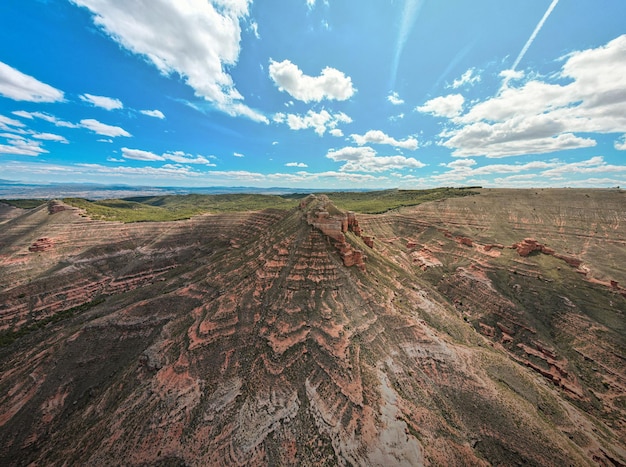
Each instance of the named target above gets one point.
<point>449,327</point>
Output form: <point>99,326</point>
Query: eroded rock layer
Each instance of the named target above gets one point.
<point>268,338</point>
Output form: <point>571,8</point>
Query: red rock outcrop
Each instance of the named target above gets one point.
<point>530,245</point>
<point>41,244</point>
<point>55,206</point>
<point>334,226</point>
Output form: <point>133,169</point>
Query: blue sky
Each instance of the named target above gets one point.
<point>314,93</point>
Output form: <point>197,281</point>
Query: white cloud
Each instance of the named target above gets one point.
<point>467,78</point>
<point>104,140</point>
<point>46,117</point>
<point>540,172</point>
<point>444,106</point>
<point>590,166</point>
<point>195,39</point>
<point>140,155</point>
<point>179,157</point>
<point>184,158</point>
<point>20,87</point>
<point>378,137</point>
<point>296,164</point>
<point>310,3</point>
<point>254,27</point>
<point>332,84</point>
<point>542,117</point>
<point>319,121</point>
<point>103,102</point>
<point>238,154</point>
<point>20,146</point>
<point>50,137</point>
<point>364,159</point>
<point>153,113</point>
<point>394,98</point>
<point>620,144</point>
<point>336,132</point>
<point>103,129</point>
<point>6,123</point>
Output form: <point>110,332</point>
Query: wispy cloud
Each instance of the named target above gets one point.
<point>179,157</point>
<point>103,102</point>
<point>46,117</point>
<point>21,87</point>
<point>409,17</point>
<point>394,98</point>
<point>103,129</point>
<point>153,113</point>
<point>532,38</point>
<point>20,146</point>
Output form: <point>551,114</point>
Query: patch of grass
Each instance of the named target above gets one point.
<point>377,202</point>
<point>7,338</point>
<point>23,203</point>
<point>172,208</point>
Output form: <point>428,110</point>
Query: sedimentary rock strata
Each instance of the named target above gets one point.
<point>250,338</point>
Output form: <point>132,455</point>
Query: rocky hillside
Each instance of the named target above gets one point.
<point>483,330</point>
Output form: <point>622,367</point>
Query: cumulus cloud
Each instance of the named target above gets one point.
<point>21,87</point>
<point>394,98</point>
<point>153,113</point>
<point>103,102</point>
<point>238,154</point>
<point>541,116</point>
<point>444,106</point>
<point>332,84</point>
<point>296,164</point>
<point>103,129</point>
<point>620,144</point>
<point>365,159</point>
<point>336,132</point>
<point>320,122</point>
<point>378,137</point>
<point>179,157</point>
<point>467,78</point>
<point>195,39</point>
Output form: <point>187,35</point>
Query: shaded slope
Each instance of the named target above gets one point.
<point>245,338</point>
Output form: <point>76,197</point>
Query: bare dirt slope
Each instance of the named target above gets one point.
<point>486,330</point>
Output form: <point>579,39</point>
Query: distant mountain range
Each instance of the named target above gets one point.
<point>10,189</point>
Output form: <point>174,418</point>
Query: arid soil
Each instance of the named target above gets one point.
<point>485,330</point>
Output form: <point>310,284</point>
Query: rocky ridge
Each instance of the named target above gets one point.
<point>250,339</point>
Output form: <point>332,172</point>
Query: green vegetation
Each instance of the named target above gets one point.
<point>23,203</point>
<point>173,207</point>
<point>376,202</point>
<point>7,338</point>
